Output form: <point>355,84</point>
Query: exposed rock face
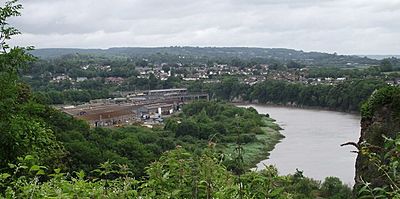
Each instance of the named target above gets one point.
<point>380,116</point>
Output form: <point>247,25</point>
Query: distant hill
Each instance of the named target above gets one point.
<point>380,57</point>
<point>215,53</point>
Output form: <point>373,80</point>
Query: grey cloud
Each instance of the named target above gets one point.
<point>344,26</point>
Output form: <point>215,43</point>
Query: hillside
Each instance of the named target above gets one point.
<point>380,57</point>
<point>218,53</point>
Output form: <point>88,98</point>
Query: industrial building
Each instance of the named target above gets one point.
<point>150,106</point>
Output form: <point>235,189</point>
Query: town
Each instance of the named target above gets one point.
<point>206,74</point>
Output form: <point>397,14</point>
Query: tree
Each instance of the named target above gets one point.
<point>166,68</point>
<point>187,127</point>
<point>333,188</point>
<point>228,89</point>
<point>21,132</point>
<point>386,65</point>
<point>293,64</point>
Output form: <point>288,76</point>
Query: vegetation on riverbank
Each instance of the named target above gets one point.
<point>226,126</point>
<point>345,96</point>
<point>177,174</point>
<point>256,151</point>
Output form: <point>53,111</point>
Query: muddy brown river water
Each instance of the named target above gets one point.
<point>312,142</point>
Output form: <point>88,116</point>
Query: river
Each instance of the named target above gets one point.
<point>312,142</point>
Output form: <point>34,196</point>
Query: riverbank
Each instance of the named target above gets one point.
<point>254,152</point>
<point>317,108</point>
<point>312,143</point>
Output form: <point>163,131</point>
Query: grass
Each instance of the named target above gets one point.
<point>256,151</point>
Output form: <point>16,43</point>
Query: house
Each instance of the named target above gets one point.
<point>85,67</point>
<point>190,79</point>
<point>114,80</point>
<point>103,68</point>
<point>81,79</point>
<point>60,78</point>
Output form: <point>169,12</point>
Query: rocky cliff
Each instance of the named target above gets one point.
<point>380,117</point>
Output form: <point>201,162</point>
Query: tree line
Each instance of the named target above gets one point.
<point>345,96</point>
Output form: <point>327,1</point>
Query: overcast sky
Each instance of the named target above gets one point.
<point>342,26</point>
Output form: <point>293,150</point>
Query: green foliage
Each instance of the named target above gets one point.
<point>228,88</point>
<point>388,95</point>
<point>337,72</point>
<point>180,174</point>
<point>177,174</point>
<point>134,146</point>
<point>70,144</point>
<point>293,64</point>
<point>224,125</point>
<point>10,9</point>
<point>333,188</point>
<point>22,132</point>
<point>28,181</point>
<point>346,96</point>
<point>386,162</point>
<point>386,65</point>
<point>206,120</point>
